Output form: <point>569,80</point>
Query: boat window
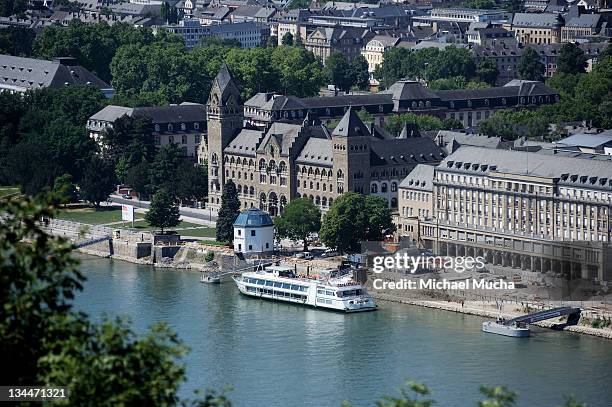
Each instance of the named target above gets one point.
<point>261,282</point>
<point>320,291</point>
<point>278,285</point>
<point>329,293</point>
<point>295,287</point>
<point>270,283</point>
<point>286,286</point>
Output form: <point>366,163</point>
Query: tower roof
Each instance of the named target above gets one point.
<point>224,86</point>
<point>253,218</point>
<point>350,126</point>
<point>224,77</point>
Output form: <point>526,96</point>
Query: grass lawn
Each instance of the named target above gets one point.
<point>143,225</point>
<point>93,216</point>
<point>4,191</point>
<point>204,232</point>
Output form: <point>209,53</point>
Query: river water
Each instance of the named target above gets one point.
<point>276,354</point>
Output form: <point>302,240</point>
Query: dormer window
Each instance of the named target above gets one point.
<point>170,127</point>
<point>157,127</point>
<point>183,126</point>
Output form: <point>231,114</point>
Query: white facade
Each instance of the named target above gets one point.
<point>250,240</point>
<point>253,232</point>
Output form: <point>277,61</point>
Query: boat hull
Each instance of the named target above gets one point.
<point>506,330</point>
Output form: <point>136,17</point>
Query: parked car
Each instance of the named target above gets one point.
<point>299,255</point>
<point>308,255</point>
<point>126,196</point>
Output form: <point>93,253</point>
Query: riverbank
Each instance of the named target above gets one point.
<point>484,309</point>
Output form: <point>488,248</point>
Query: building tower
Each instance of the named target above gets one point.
<point>351,145</point>
<point>224,112</point>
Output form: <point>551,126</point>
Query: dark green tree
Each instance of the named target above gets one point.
<point>139,178</point>
<point>98,180</point>
<point>163,212</point>
<point>530,66</point>
<point>272,41</point>
<point>338,71</point>
<point>392,68</point>
<point>64,191</point>
<point>487,71</point>
<point>345,224</point>
<point>287,39</point>
<point>299,220</point>
<point>192,183</point>
<point>16,41</point>
<point>359,72</point>
<point>165,169</point>
<point>229,211</point>
<point>571,59</point>
<point>379,220</point>
<point>452,61</point>
<point>130,138</point>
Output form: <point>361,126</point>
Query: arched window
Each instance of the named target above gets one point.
<point>318,200</point>
<point>252,191</point>
<point>340,175</point>
<point>383,187</point>
<point>374,188</point>
<point>262,165</point>
<point>393,186</point>
<point>282,167</point>
<point>273,166</point>
<point>394,202</point>
<point>214,159</point>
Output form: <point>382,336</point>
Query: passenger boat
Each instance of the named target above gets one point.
<point>516,330</point>
<point>338,293</point>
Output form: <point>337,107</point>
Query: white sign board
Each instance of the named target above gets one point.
<point>127,213</point>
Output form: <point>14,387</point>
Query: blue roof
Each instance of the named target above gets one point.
<point>253,218</point>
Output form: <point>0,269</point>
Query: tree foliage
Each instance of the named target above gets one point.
<point>163,212</point>
<point>98,180</point>
<point>163,73</point>
<point>487,71</point>
<point>428,63</point>
<point>64,191</point>
<point>353,218</point>
<point>93,45</point>
<point>530,67</point>
<point>300,218</point>
<point>287,39</point>
<point>16,41</point>
<point>45,341</point>
<point>229,211</point>
<point>396,123</point>
<point>43,135</point>
<point>571,59</point>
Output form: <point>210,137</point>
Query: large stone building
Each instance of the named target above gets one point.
<point>347,40</point>
<point>18,75</point>
<point>183,125</point>
<point>281,161</point>
<point>537,28</point>
<point>469,106</point>
<point>539,212</point>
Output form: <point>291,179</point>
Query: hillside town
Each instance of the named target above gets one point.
<point>331,155</point>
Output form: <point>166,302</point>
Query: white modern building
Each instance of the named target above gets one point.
<point>253,232</point>
<point>248,34</point>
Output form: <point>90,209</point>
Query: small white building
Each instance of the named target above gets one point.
<point>253,232</point>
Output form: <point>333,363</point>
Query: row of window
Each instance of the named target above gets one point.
<point>275,293</point>
<point>276,284</point>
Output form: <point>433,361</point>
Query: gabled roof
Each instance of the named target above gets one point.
<point>350,126</point>
<point>421,178</point>
<point>284,133</point>
<point>405,89</point>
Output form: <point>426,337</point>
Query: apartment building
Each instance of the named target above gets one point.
<point>541,212</point>
<point>537,28</point>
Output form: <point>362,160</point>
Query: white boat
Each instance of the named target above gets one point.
<point>210,278</point>
<point>280,283</point>
<point>515,330</point>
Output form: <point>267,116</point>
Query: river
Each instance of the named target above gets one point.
<point>277,354</point>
